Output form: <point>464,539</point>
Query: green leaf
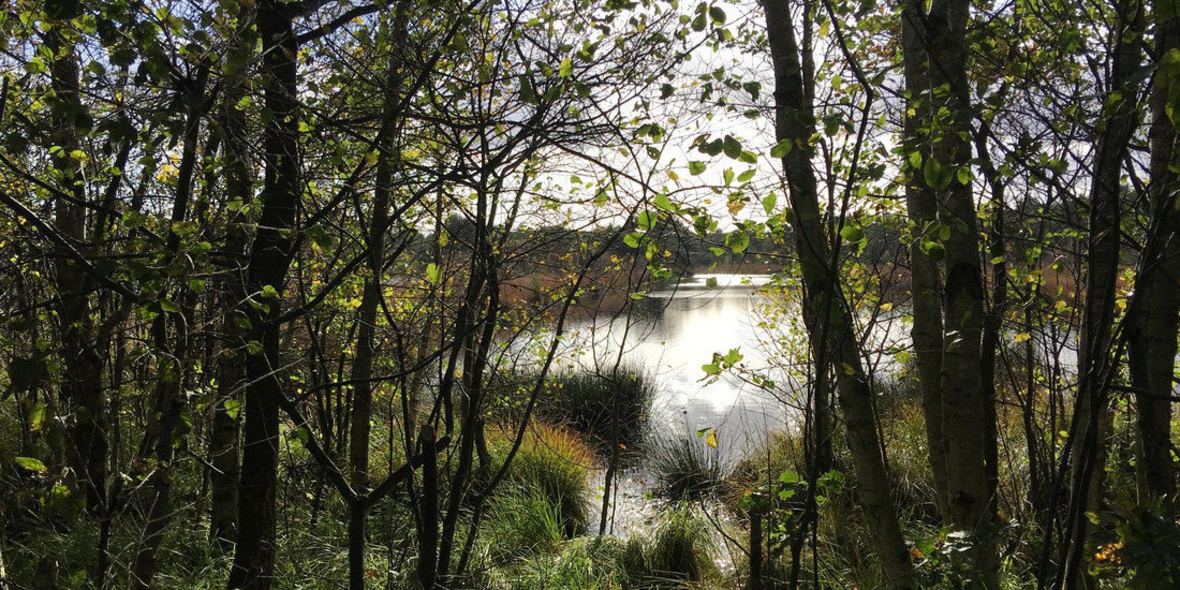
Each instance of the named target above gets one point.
<point>717,15</point>
<point>852,233</point>
<point>768,202</point>
<point>232,408</point>
<point>646,221</point>
<point>696,168</point>
<point>781,149</point>
<point>432,274</point>
<point>566,69</point>
<point>663,203</point>
<point>738,241</point>
<point>936,175</point>
<point>732,147</point>
<point>169,306</point>
<point>31,464</point>
<point>254,348</point>
<point>915,160</point>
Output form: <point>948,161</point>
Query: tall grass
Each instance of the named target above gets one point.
<point>684,468</point>
<point>523,522</point>
<point>555,464</point>
<point>681,548</point>
<point>607,409</point>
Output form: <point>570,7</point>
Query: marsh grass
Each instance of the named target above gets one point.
<point>607,409</point>
<point>555,464</point>
<point>684,468</point>
<point>680,549</point>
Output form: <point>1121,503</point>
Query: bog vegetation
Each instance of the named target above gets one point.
<point>286,289</point>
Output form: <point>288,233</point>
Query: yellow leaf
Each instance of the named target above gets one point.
<point>711,440</point>
<point>1022,337</point>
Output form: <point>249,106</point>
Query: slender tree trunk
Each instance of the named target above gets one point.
<point>82,392</point>
<point>170,382</point>
<point>925,277</point>
<point>1152,317</point>
<point>936,76</point>
<point>231,366</point>
<point>270,257</point>
<point>362,367</point>
<point>1092,418</point>
<point>825,309</point>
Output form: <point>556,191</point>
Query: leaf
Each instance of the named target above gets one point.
<point>936,175</point>
<point>768,202</point>
<point>732,147</point>
<point>254,348</point>
<point>432,274</point>
<point>852,233</point>
<point>663,203</point>
<point>711,439</point>
<point>696,168</point>
<point>31,464</point>
<point>717,15</point>
<point>566,69</point>
<point>169,306</point>
<point>738,241</point>
<point>1021,337</point>
<point>232,408</point>
<point>646,221</point>
<point>781,149</point>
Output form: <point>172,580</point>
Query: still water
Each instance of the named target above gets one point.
<point>677,330</point>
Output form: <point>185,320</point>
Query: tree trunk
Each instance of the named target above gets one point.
<point>1092,419</point>
<point>825,309</point>
<point>170,382</point>
<point>936,75</point>
<point>82,392</point>
<point>231,370</point>
<point>270,257</point>
<point>925,277</point>
<point>1152,317</point>
<point>362,367</point>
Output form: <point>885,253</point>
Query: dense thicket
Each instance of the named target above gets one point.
<point>282,279</point>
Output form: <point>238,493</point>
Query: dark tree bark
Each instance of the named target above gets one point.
<point>82,391</point>
<point>1155,306</point>
<point>1092,416</point>
<point>270,256</point>
<point>224,450</point>
<point>169,389</point>
<point>954,401</point>
<point>826,313</point>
